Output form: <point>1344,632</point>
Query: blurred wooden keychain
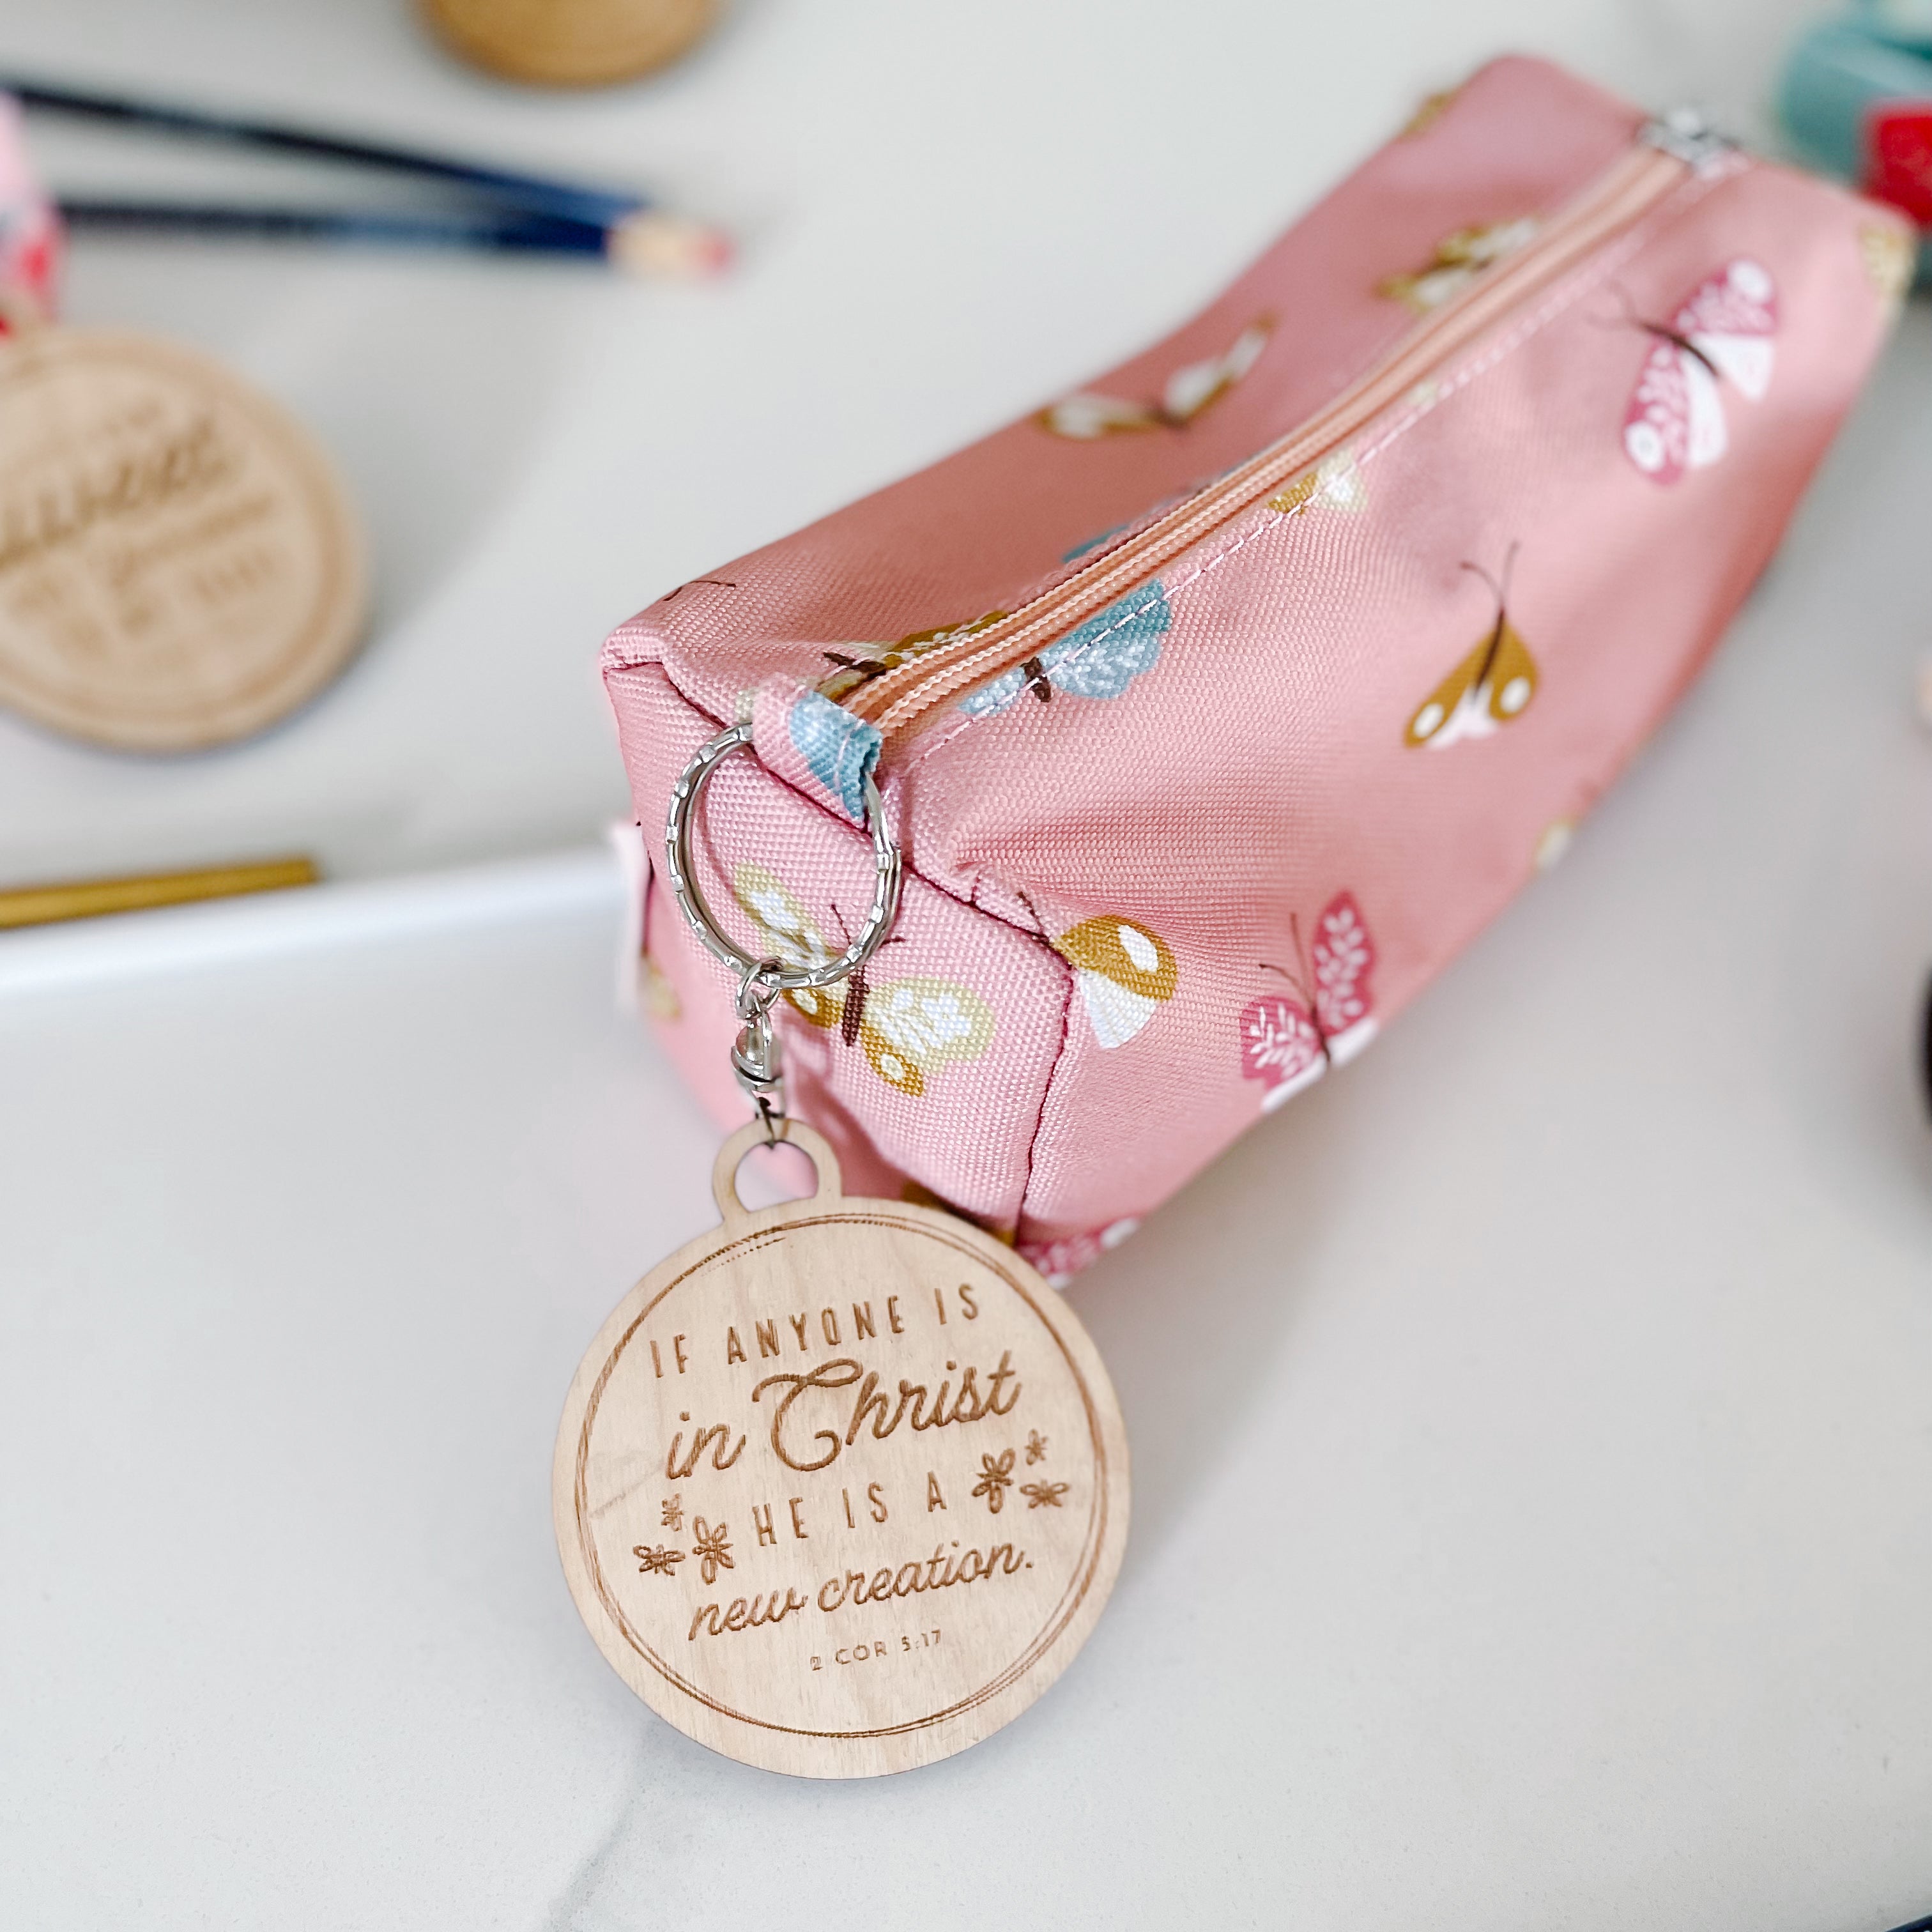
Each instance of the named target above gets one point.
<point>841,1486</point>
<point>178,566</point>
<point>570,43</point>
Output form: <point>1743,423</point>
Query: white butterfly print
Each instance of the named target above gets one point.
<point>907,1029</point>
<point>1722,336</point>
<point>1085,417</point>
<point>1459,259</point>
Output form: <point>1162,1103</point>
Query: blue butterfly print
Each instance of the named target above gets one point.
<point>1100,659</point>
<point>1080,550</point>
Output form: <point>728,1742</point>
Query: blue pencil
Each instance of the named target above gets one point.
<point>535,192</point>
<point>532,212</point>
<point>645,242</point>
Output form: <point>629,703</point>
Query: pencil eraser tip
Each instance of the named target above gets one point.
<point>652,243</point>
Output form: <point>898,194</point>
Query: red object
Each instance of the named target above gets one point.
<point>30,228</point>
<point>1898,147</point>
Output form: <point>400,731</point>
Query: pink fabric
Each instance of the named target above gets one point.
<point>1267,796</point>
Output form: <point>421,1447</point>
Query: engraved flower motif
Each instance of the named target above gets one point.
<point>674,1511</point>
<point>660,1562</point>
<point>713,1550</point>
<point>1036,1446</point>
<point>1042,1493</point>
<point>996,1473</point>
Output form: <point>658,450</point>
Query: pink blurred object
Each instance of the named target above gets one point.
<point>30,228</point>
<point>1216,705</point>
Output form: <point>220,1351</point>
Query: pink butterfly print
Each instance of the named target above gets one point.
<point>1280,1046</point>
<point>1723,333</point>
<point>1289,1041</point>
<point>1060,1261</point>
<point>1344,956</point>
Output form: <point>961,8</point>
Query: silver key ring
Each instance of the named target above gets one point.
<point>772,974</point>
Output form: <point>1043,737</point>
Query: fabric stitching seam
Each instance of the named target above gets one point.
<point>1045,1097</point>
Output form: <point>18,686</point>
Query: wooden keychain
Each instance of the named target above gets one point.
<point>178,566</point>
<point>841,1485</point>
<point>570,43</point>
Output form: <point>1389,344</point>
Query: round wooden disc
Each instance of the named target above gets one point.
<point>841,1486</point>
<point>570,43</point>
<point>178,566</point>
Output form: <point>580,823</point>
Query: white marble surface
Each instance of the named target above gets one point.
<point>946,215</point>
<point>1533,1426</point>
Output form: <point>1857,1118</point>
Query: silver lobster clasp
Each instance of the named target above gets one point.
<point>757,1060</point>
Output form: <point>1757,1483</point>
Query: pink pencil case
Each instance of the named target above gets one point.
<point>1216,705</point>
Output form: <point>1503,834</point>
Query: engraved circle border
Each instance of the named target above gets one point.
<point>1083,1568</point>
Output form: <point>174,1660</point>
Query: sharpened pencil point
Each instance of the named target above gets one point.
<point>653,243</point>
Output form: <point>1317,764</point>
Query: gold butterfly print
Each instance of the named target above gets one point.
<point>655,993</point>
<point>1429,110</point>
<point>907,1029</point>
<point>1335,484</point>
<point>1124,971</point>
<point>1193,388</point>
<point>1459,259</point>
<point>1490,688</point>
<point>1889,259</point>
<point>850,672</point>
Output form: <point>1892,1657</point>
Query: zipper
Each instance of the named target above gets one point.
<point>898,702</point>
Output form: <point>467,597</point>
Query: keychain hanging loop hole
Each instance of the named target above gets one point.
<point>762,980</point>
<point>754,1134</point>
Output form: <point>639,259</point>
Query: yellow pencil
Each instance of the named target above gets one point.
<point>87,898</point>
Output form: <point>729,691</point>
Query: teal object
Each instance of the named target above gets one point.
<point>1834,74</point>
<point>1905,23</point>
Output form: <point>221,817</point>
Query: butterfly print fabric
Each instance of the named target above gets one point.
<point>1290,1039</point>
<point>1197,786</point>
<point>1458,260</point>
<point>1194,387</point>
<point>1491,687</point>
<point>1281,1047</point>
<point>1124,972</point>
<point>1100,659</point>
<point>907,1029</point>
<point>1721,339</point>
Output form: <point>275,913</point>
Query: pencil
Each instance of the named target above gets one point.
<point>538,193</point>
<point>87,899</point>
<point>647,240</point>
<point>628,227</point>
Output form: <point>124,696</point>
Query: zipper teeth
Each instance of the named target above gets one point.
<point>895,702</point>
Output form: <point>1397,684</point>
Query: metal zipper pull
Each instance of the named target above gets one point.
<point>1684,133</point>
